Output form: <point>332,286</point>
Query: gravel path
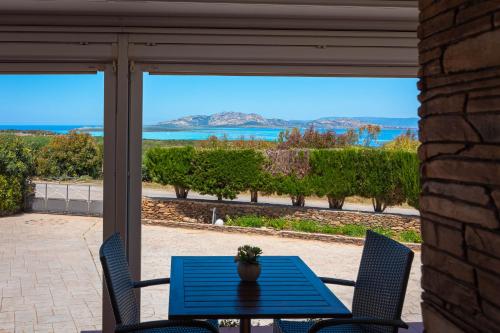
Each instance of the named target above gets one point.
<point>50,274</point>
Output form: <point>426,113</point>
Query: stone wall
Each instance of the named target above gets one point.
<point>200,211</point>
<point>460,131</point>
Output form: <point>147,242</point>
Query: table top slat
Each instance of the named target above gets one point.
<point>209,287</point>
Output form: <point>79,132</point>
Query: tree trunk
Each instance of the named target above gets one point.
<point>336,203</point>
<point>181,192</point>
<point>298,200</point>
<point>254,196</point>
<point>378,205</point>
<point>219,197</point>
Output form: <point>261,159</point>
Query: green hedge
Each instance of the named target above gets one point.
<point>225,173</point>
<point>388,177</point>
<point>335,174</point>
<point>171,166</point>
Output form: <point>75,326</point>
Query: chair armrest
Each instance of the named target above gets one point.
<point>164,324</point>
<point>362,321</point>
<point>147,283</point>
<point>338,281</point>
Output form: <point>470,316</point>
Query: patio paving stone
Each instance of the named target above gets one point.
<point>50,272</point>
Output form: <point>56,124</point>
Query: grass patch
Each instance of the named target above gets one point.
<point>410,236</point>
<point>311,226</point>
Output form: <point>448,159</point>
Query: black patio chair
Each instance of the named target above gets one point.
<point>379,292</point>
<point>125,306</point>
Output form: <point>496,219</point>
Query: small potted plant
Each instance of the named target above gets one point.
<point>248,262</point>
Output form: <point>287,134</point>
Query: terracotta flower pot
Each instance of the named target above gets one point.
<point>248,272</point>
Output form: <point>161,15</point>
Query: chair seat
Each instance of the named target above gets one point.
<point>179,329</point>
<point>288,326</point>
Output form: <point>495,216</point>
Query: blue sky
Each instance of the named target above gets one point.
<point>78,99</point>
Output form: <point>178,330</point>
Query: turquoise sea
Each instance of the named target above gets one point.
<point>232,133</point>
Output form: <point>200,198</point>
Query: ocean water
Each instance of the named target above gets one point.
<point>232,133</point>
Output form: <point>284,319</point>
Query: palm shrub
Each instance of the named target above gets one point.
<point>335,174</point>
<point>379,179</point>
<point>171,166</point>
<point>226,172</point>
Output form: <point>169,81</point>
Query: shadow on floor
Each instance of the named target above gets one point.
<point>414,328</point>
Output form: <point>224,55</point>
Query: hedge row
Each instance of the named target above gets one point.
<point>388,177</point>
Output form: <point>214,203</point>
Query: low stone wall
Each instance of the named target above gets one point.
<point>200,211</point>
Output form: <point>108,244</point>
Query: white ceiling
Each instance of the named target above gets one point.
<point>370,9</point>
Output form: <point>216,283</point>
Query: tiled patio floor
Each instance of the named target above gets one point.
<point>50,275</point>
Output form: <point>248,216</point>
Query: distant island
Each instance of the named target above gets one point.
<point>253,120</point>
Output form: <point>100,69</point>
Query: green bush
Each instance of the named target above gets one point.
<point>226,172</point>
<point>16,169</point>
<point>297,188</point>
<point>171,166</point>
<point>289,173</point>
<point>335,174</point>
<point>71,156</point>
<point>11,195</point>
<point>407,173</point>
<point>16,157</point>
<point>379,178</point>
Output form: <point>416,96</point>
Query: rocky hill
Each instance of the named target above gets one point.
<point>239,119</point>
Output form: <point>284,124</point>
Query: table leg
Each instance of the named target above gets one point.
<point>245,325</point>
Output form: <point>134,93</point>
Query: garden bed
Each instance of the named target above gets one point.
<point>334,238</point>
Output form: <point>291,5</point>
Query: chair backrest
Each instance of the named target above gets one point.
<point>119,281</point>
<point>382,279</point>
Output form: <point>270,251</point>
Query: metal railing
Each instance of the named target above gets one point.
<point>68,198</point>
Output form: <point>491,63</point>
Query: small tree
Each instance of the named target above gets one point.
<point>225,173</point>
<point>369,134</point>
<point>72,155</point>
<point>171,166</point>
<point>313,138</point>
<point>407,141</point>
<point>335,174</point>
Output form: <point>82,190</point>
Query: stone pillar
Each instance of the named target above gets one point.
<point>460,153</point>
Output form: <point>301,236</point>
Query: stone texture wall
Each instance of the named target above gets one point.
<point>200,211</point>
<point>460,131</point>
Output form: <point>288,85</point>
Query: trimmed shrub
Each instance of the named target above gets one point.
<point>225,173</point>
<point>407,173</point>
<point>379,178</point>
<point>171,166</point>
<point>70,156</point>
<point>297,188</point>
<point>289,170</point>
<point>335,174</point>
<point>11,195</point>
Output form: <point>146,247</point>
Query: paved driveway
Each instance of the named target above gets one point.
<point>94,192</point>
<point>50,275</point>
